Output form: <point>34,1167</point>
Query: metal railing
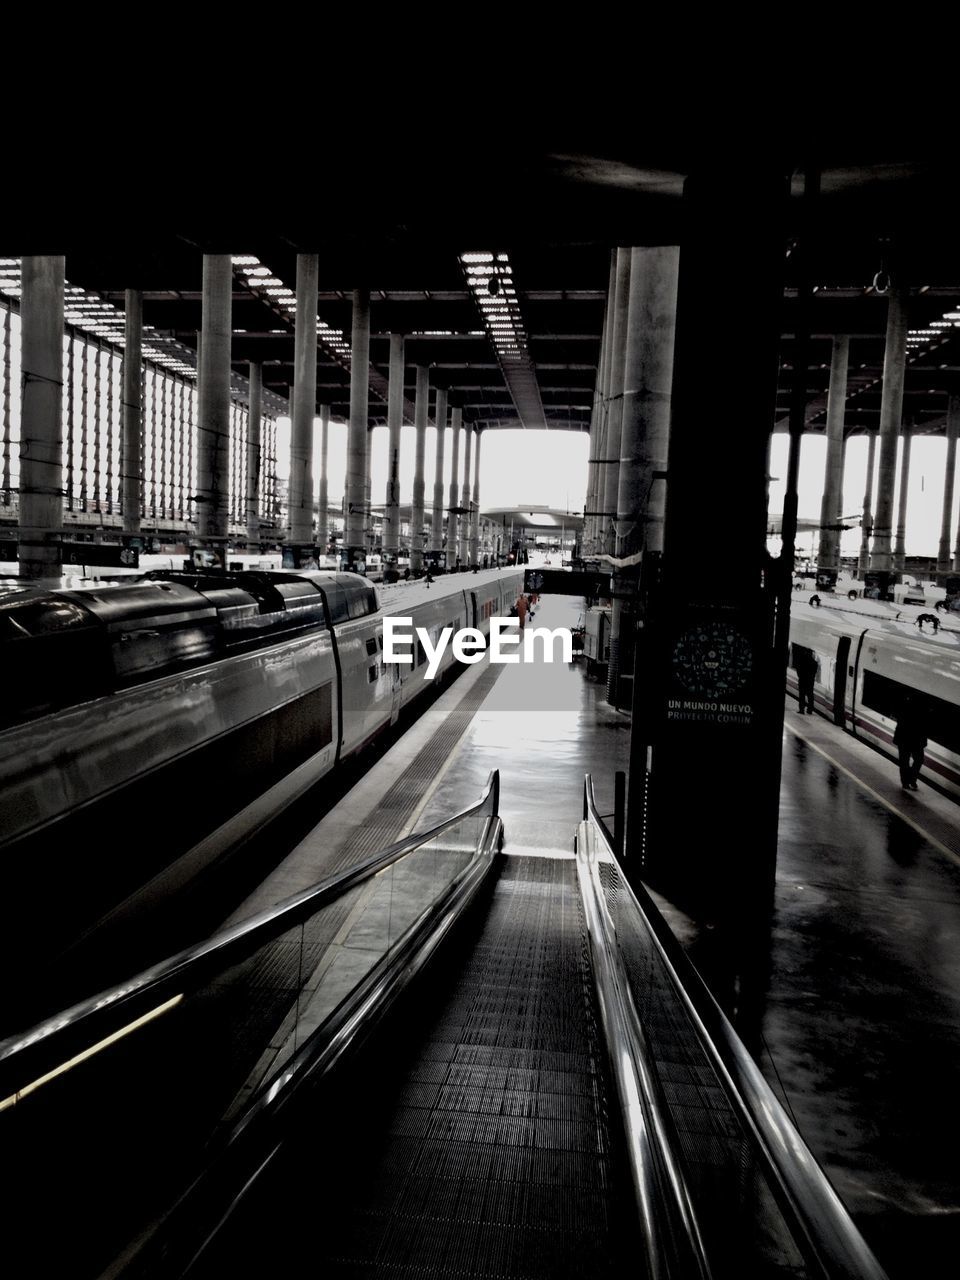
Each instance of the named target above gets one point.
<point>742,1184</point>
<point>313,974</point>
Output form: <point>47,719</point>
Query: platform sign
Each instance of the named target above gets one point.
<point>101,555</point>
<point>706,663</point>
<point>826,579</point>
<point>357,565</point>
<point>9,549</point>
<point>435,561</point>
<point>712,672</point>
<point>299,556</point>
<point>877,584</point>
<point>208,557</point>
<point>562,582</point>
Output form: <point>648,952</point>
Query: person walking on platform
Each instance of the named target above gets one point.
<point>805,665</point>
<point>910,738</point>
<point>521,607</point>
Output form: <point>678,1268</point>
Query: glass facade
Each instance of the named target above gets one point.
<point>93,435</point>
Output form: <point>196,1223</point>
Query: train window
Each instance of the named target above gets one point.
<point>144,652</point>
<point>337,605</point>
<point>55,655</point>
<point>19,619</point>
<point>372,673</point>
<point>421,654</point>
<point>362,600</point>
<point>882,695</point>
<point>943,722</point>
<point>940,718</point>
<point>372,645</point>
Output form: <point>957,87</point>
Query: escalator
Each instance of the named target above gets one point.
<point>485,1065</point>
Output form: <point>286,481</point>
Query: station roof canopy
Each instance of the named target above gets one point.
<point>539,219</point>
<point>537,519</point>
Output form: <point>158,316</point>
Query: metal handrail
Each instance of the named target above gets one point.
<point>240,1154</point>
<point>672,1241</point>
<point>55,1039</point>
<point>823,1230</point>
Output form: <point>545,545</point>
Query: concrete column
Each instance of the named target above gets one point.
<point>601,468</point>
<point>950,466</point>
<point>901,543</point>
<point>416,510</point>
<point>648,375</point>
<point>709,635</point>
<point>369,536</point>
<point>213,428</point>
<point>598,419</point>
<point>323,518</point>
<point>453,522</point>
<point>354,546</point>
<point>132,478</point>
<point>475,524</point>
<point>41,430</point>
<point>391,510</point>
<point>891,407</point>
<point>253,456</point>
<point>464,548</point>
<point>618,347</point>
<point>866,524</point>
<point>300,493</point>
<point>645,421</point>
<point>436,528</point>
<point>828,559</point>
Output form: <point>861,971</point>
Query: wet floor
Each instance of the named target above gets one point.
<point>849,996</point>
<point>862,1011</point>
<point>539,725</point>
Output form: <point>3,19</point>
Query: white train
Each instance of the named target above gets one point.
<point>149,722</point>
<point>867,662</point>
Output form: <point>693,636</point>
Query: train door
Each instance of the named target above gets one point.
<point>396,683</point>
<point>840,680</point>
<point>473,609</point>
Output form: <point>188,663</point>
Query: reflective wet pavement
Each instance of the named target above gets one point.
<point>542,725</point>
<point>861,1016</point>
<point>849,997</point>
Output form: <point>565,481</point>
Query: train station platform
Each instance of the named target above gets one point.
<point>542,725</point>
<point>849,997</point>
<point>855,1008</point>
<point>846,996</point>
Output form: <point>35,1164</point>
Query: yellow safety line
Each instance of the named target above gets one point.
<point>27,1089</point>
<point>888,804</point>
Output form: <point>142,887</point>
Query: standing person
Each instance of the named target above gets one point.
<point>805,665</point>
<point>910,737</point>
<point>521,607</point>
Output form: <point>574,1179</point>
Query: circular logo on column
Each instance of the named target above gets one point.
<point>712,659</point>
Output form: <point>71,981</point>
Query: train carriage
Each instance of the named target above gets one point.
<point>867,664</point>
<point>146,726</point>
<point>137,719</point>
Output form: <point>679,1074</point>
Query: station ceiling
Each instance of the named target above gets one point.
<point>553,214</point>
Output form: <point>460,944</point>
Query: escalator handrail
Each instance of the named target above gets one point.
<point>672,1241</point>
<point>239,1154</point>
<point>824,1230</point>
<point>57,1039</point>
